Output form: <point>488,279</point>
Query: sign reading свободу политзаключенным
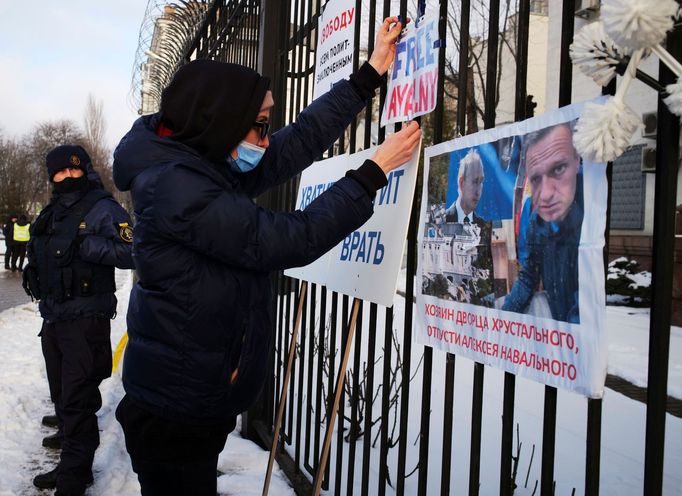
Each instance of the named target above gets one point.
<point>335,45</point>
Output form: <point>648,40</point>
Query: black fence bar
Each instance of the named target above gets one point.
<point>667,164</point>
<point>305,13</point>
<point>288,418</point>
<point>550,404</point>
<point>448,406</point>
<point>369,398</point>
<point>354,396</point>
<point>548,441</point>
<point>330,376</point>
<point>593,447</point>
<point>320,376</point>
<point>340,419</point>
<point>594,406</point>
<point>462,98</point>
<point>356,56</point>
<point>300,358</point>
<point>462,86</point>
<point>387,384</point>
<point>506,479</point>
<point>386,391</point>
<point>479,368</point>
<point>407,330</point>
<point>425,421</point>
<point>427,377</point>
<point>309,382</point>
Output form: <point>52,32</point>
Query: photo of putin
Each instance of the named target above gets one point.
<point>552,169</point>
<point>469,187</point>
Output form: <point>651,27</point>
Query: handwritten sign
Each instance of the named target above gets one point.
<point>414,76</point>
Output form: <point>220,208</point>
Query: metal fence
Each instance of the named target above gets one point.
<point>377,449</point>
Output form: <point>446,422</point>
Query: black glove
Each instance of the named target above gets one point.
<point>30,282</point>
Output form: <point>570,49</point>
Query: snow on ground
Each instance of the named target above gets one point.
<point>25,399</point>
<point>628,337</point>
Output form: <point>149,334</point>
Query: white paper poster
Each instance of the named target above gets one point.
<point>511,269</point>
<point>335,45</point>
<point>365,264</point>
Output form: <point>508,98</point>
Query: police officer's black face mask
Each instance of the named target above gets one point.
<point>70,184</point>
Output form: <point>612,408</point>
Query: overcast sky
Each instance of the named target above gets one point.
<point>54,53</point>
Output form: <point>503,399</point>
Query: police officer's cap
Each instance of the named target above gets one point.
<point>66,157</point>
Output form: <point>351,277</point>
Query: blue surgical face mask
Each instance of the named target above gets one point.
<point>248,157</point>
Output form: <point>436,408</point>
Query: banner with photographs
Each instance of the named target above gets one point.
<point>510,268</point>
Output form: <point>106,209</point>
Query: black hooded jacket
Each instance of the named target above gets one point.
<point>203,249</point>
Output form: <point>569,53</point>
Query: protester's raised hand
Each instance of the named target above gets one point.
<point>384,46</point>
<point>398,147</point>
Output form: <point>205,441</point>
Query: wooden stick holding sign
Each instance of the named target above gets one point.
<point>285,383</point>
<point>337,398</point>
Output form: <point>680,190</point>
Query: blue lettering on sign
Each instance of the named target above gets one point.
<point>414,53</point>
<point>309,193</point>
<point>384,195</point>
<point>363,246</point>
<point>397,62</point>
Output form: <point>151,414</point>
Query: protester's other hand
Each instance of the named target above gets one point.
<point>398,147</point>
<point>384,46</point>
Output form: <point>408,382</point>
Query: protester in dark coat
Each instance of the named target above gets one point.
<point>8,233</point>
<point>20,239</point>
<point>199,319</point>
<point>76,242</point>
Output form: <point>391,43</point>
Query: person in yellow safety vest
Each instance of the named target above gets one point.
<point>21,237</point>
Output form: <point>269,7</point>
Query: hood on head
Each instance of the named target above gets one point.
<point>142,148</point>
<point>210,105</point>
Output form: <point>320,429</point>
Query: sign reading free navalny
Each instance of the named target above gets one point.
<point>413,78</point>
<point>366,263</point>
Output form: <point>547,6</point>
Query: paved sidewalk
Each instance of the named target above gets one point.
<point>11,292</point>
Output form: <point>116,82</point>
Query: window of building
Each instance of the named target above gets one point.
<point>539,7</point>
<point>628,190</point>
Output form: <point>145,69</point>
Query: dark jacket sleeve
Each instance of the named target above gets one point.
<point>230,228</point>
<point>106,242</point>
<point>296,146</point>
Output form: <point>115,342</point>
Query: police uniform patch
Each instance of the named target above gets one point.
<point>74,160</point>
<point>125,232</point>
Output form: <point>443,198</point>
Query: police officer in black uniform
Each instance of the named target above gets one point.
<point>76,242</point>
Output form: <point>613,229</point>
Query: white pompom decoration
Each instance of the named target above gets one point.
<point>603,132</point>
<point>636,24</point>
<point>595,54</point>
<point>674,98</point>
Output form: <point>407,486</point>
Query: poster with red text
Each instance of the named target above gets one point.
<point>511,236</point>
